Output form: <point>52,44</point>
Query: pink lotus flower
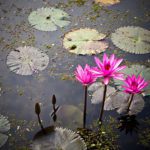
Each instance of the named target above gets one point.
<point>134,85</point>
<point>84,75</point>
<point>108,69</point>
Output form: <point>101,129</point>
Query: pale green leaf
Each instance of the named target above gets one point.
<point>48,19</point>
<point>85,41</point>
<point>132,39</point>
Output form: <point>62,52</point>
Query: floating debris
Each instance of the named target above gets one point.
<point>107,2</point>
<point>59,138</point>
<point>85,41</point>
<point>48,19</point>
<point>27,60</point>
<point>4,127</point>
<point>132,39</point>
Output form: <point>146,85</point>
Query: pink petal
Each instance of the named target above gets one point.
<point>112,57</point>
<point>120,68</point>
<point>105,58</point>
<point>118,62</point>
<point>98,62</point>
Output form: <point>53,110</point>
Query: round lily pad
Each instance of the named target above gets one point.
<point>4,127</point>
<point>85,41</point>
<point>59,139</point>
<point>107,2</point>
<point>70,116</point>
<point>27,60</point>
<point>48,19</point>
<point>132,39</point>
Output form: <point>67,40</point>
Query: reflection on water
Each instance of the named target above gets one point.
<point>19,94</point>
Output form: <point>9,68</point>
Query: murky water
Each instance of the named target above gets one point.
<point>20,93</point>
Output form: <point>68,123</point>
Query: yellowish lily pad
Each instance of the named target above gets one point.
<point>85,41</point>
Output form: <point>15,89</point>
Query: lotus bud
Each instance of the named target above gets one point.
<point>53,100</point>
<point>37,108</point>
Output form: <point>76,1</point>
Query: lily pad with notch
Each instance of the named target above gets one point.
<point>48,19</point>
<point>132,39</point>
<point>85,41</point>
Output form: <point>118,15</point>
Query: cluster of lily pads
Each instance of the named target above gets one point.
<point>85,41</point>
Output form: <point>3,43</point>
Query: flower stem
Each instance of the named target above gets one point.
<point>130,101</point>
<point>85,103</point>
<point>41,125</point>
<point>102,108</point>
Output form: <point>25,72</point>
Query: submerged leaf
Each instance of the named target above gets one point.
<point>70,116</point>
<point>27,60</point>
<point>4,127</point>
<point>60,138</point>
<point>47,19</point>
<point>85,41</point>
<point>132,39</point>
<point>107,2</point>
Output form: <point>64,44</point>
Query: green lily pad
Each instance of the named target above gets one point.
<point>4,127</point>
<point>132,39</point>
<point>85,41</point>
<point>137,70</point>
<point>27,60</point>
<point>59,139</point>
<point>70,116</point>
<point>48,19</point>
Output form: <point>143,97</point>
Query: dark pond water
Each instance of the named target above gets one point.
<point>20,93</point>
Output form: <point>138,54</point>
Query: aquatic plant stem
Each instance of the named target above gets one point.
<point>102,108</point>
<point>85,103</point>
<point>40,122</point>
<point>130,101</point>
